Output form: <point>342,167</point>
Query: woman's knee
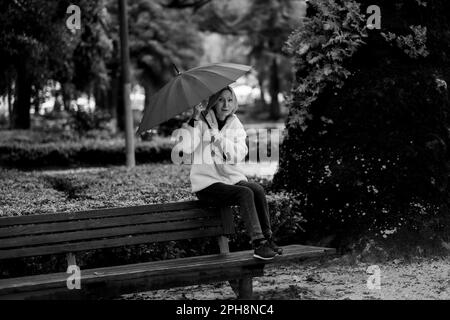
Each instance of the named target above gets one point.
<point>257,189</point>
<point>245,194</point>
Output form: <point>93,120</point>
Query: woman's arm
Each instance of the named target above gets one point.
<point>188,137</point>
<point>197,110</point>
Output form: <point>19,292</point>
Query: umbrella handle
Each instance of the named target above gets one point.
<point>176,69</point>
<point>204,118</point>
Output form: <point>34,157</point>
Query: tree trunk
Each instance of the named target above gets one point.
<point>120,108</point>
<point>66,96</point>
<point>22,103</point>
<point>274,90</point>
<point>126,84</point>
<point>10,109</point>
<point>36,102</point>
<point>88,107</point>
<point>149,89</point>
<point>262,93</point>
<point>112,95</point>
<point>58,105</point>
<point>100,97</point>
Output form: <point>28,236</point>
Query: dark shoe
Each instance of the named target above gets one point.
<point>264,252</point>
<point>278,250</point>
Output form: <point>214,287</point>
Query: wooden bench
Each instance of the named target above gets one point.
<point>69,233</point>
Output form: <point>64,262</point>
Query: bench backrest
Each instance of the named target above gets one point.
<point>44,234</point>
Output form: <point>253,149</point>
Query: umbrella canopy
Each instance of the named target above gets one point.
<point>188,89</point>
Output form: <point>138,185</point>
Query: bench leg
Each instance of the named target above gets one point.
<point>246,288</point>
<point>234,284</point>
<point>243,288</point>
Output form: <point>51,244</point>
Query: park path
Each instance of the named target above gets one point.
<point>332,279</point>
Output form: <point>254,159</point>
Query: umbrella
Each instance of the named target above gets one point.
<point>188,89</point>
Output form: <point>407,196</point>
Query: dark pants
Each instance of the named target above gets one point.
<point>251,199</point>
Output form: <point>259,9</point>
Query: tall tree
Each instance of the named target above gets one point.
<point>367,135</point>
<point>92,54</point>
<point>36,45</point>
<point>30,45</point>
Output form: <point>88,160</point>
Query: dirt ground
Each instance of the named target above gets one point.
<point>332,279</point>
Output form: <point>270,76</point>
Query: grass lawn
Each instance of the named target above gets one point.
<point>23,193</point>
<point>50,191</point>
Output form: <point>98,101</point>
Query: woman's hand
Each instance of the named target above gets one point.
<point>197,109</point>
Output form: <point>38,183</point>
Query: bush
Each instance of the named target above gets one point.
<point>84,152</point>
<point>369,149</point>
<point>4,121</point>
<point>83,121</point>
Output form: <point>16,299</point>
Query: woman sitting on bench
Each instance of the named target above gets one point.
<point>216,177</point>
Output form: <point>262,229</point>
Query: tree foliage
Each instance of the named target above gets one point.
<point>159,38</point>
<point>36,45</point>
<point>367,137</point>
<point>321,46</point>
<point>265,25</point>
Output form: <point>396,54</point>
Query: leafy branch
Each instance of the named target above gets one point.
<point>320,45</point>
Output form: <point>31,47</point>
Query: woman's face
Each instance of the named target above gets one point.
<point>224,105</point>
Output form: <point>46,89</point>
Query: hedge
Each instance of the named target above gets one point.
<point>85,152</point>
<point>33,149</point>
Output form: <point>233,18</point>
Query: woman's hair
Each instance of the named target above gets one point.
<point>212,101</point>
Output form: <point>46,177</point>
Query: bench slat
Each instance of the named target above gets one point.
<point>101,213</point>
<point>109,243</point>
<point>102,222</point>
<point>243,257</point>
<point>106,232</point>
<point>157,274</point>
<point>115,288</point>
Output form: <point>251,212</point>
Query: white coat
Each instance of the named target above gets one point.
<point>207,154</point>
